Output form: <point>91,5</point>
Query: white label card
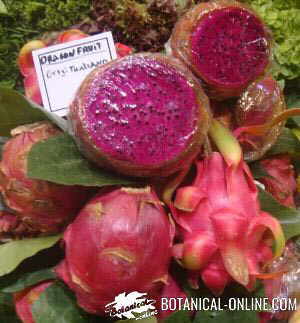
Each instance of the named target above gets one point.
<point>62,68</point>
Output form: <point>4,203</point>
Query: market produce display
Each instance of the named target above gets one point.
<point>175,174</point>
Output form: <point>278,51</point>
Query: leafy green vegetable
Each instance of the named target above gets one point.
<point>57,305</point>
<point>143,24</point>
<point>283,18</point>
<point>58,160</point>
<point>288,217</point>
<point>28,19</point>
<point>14,252</point>
<point>29,279</point>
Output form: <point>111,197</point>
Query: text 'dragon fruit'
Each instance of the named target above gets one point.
<point>225,235</point>
<point>25,299</point>
<point>140,115</point>
<point>225,43</point>
<point>120,242</point>
<point>40,204</point>
<point>259,104</point>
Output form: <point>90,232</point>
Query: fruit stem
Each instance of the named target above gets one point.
<point>225,141</point>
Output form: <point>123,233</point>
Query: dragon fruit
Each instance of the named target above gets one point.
<point>261,102</point>
<point>225,43</point>
<point>42,205</point>
<point>281,182</point>
<point>11,227</point>
<point>170,290</point>
<point>25,299</point>
<point>121,241</point>
<point>140,115</point>
<point>222,228</point>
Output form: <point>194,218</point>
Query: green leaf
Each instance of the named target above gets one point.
<point>14,252</point>
<point>286,143</point>
<point>178,317</point>
<point>7,309</point>
<point>3,8</point>
<point>57,305</point>
<point>226,317</point>
<point>30,279</point>
<point>15,110</point>
<point>258,171</point>
<point>58,160</point>
<point>288,217</point>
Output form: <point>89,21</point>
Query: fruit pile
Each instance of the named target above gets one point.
<point>167,202</point>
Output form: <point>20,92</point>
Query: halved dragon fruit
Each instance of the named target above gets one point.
<point>259,104</point>
<point>120,242</point>
<point>25,299</point>
<point>42,205</point>
<point>225,43</point>
<point>140,115</point>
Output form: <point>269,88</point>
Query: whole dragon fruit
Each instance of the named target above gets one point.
<point>120,242</point>
<point>260,103</point>
<point>221,225</point>
<point>42,205</point>
<point>281,182</point>
<point>140,115</point>
<point>25,299</point>
<point>225,43</point>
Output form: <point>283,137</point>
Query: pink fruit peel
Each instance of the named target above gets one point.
<point>25,299</point>
<point>40,204</point>
<point>120,242</point>
<point>224,236</point>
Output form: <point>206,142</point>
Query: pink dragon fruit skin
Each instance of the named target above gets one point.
<point>222,226</point>
<point>42,205</point>
<point>170,290</point>
<point>120,242</point>
<point>225,43</point>
<point>140,115</point>
<point>282,183</point>
<point>25,299</point>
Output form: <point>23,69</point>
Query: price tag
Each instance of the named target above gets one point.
<point>62,68</point>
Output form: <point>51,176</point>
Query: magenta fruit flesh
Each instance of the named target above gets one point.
<point>140,115</point>
<point>225,43</point>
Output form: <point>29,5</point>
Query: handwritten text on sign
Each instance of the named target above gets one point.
<point>62,68</point>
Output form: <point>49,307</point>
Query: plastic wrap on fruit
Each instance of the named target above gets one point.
<point>225,43</point>
<point>261,102</point>
<point>141,115</point>
<point>287,285</point>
